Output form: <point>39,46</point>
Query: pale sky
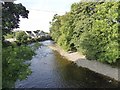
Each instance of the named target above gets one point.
<point>42,11</point>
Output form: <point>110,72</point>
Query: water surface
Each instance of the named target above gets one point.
<point>51,70</point>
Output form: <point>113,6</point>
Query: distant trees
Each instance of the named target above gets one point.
<point>21,36</point>
<point>91,28</point>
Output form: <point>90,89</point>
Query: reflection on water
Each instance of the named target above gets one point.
<point>51,70</point>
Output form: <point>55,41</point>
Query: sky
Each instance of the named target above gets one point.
<point>42,12</point>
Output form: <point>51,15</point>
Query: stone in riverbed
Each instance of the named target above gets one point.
<point>70,51</point>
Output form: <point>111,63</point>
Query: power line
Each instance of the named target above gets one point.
<point>48,11</point>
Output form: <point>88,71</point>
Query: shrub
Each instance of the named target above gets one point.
<point>13,64</point>
<point>21,36</point>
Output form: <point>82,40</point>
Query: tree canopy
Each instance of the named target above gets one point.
<point>91,28</point>
<point>11,14</point>
<point>13,56</point>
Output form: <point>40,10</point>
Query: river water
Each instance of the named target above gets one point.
<point>51,70</point>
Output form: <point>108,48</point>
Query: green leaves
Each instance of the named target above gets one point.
<point>14,66</point>
<point>21,36</point>
<point>11,16</point>
<point>91,28</point>
<point>55,27</point>
<point>13,58</point>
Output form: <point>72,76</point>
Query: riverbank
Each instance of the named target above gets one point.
<point>93,65</point>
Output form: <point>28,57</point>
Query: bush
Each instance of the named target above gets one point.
<point>21,36</point>
<point>10,35</point>
<point>13,64</point>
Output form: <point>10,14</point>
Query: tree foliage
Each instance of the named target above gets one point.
<point>21,36</point>
<point>14,66</point>
<point>11,14</point>
<point>14,57</point>
<point>56,24</point>
<point>91,28</point>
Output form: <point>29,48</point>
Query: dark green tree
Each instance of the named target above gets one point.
<point>14,57</point>
<point>11,14</point>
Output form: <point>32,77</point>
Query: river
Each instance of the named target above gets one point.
<point>51,70</point>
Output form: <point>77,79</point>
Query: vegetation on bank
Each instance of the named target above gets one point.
<point>10,35</point>
<point>14,54</point>
<point>14,66</point>
<point>91,28</point>
<point>22,38</point>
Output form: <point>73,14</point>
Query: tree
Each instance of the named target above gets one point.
<point>21,36</point>
<point>92,28</point>
<point>11,14</point>
<point>55,27</point>
<point>14,57</point>
<point>13,64</point>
